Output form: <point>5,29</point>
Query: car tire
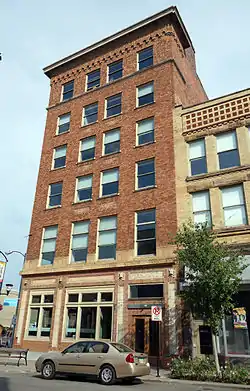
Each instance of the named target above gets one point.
<point>48,370</point>
<point>107,375</point>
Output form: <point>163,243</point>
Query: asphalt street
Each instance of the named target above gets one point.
<point>31,382</point>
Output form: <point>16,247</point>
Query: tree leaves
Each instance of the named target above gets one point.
<point>213,272</point>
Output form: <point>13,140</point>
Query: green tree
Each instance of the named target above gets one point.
<point>213,272</point>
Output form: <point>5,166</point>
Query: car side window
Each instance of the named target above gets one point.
<point>79,347</point>
<point>97,347</point>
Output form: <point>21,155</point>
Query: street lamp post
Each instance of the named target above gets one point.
<point>19,294</point>
<point>2,271</point>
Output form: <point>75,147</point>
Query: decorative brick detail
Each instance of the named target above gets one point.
<point>217,114</point>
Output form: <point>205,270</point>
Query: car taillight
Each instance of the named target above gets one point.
<point>130,358</point>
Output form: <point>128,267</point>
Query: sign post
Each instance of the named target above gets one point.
<point>2,272</point>
<point>156,316</point>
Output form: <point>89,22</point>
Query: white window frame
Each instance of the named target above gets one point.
<point>103,141</point>
<point>106,106</point>
<point>71,241</point>
<point>49,194</point>
<point>98,237</point>
<point>80,150</point>
<point>83,114</point>
<point>98,304</point>
<point>137,93</point>
<point>137,134</point>
<point>136,173</point>
<point>58,123</point>
<point>86,80</point>
<point>112,63</point>
<point>76,189</point>
<point>138,55</point>
<point>202,156</point>
<point>41,245</point>
<point>62,90</point>
<point>208,211</point>
<point>101,180</point>
<point>227,150</point>
<point>242,205</point>
<point>53,158</point>
<point>135,235</point>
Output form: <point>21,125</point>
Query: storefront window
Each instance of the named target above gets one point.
<point>40,316</point>
<point>91,316</point>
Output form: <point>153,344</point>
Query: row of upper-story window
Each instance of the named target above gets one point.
<point>227,152</point>
<point>145,134</point>
<point>109,184</point>
<point>145,238</point>
<point>233,204</point>
<point>113,107</point>
<point>145,59</point>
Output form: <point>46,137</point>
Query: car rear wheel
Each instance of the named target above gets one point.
<point>48,370</point>
<point>107,375</point>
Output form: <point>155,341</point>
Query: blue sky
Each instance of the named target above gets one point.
<point>36,33</point>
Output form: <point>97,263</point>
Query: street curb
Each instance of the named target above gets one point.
<point>197,383</point>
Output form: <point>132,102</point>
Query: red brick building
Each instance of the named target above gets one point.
<point>105,205</point>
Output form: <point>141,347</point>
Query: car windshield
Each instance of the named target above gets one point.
<point>121,348</point>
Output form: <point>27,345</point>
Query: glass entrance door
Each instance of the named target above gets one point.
<point>146,336</point>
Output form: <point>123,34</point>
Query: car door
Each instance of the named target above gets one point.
<point>92,358</point>
<point>69,361</point>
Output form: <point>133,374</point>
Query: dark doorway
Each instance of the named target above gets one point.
<point>206,346</point>
<point>139,335</point>
<point>153,338</point>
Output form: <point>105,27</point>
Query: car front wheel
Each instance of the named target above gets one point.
<point>48,370</point>
<point>107,375</point>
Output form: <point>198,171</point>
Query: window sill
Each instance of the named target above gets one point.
<point>145,298</point>
<point>108,196</point>
<point>106,260</point>
<point>144,145</point>
<point>217,173</point>
<point>232,229</point>
<point>146,104</point>
<point>53,207</point>
<point>147,256</point>
<point>146,188</point>
<point>112,116</point>
<point>60,134</point>
<point>85,126</point>
<point>57,168</point>
<point>81,202</point>
<point>85,161</point>
<point>110,154</point>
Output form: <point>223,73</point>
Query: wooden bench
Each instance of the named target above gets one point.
<point>15,353</point>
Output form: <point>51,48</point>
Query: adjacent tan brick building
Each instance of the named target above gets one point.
<point>105,206</point>
<point>212,154</point>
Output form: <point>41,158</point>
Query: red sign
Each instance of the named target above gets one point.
<point>156,313</point>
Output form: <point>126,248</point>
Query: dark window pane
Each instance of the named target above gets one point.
<point>146,53</point>
<point>88,322</point>
<point>73,298</point>
<point>112,147</point>
<point>36,299</point>
<point>110,188</point>
<point>63,128</point>
<point>91,109</point>
<point>117,66</point>
<point>98,347</point>
<point>116,75</point>
<point>146,180</point>
<point>147,247</point>
<point>146,166</point>
<point>86,297</point>
<point>60,162</point>
<point>146,138</point>
<point>80,255</point>
<point>67,95</point>
<point>146,216</point>
<point>55,188</point>
<point>146,63</point>
<point>95,75</point>
<point>114,111</point>
<point>84,194</point>
<point>113,101</point>
<point>146,99</point>
<point>137,291</point>
<point>55,200</point>
<point>48,258</point>
<point>93,84</point>
<point>199,166</point>
<point>146,231</point>
<point>69,86</point>
<point>229,159</point>
<point>106,322</point>
<point>107,296</point>
<point>88,154</point>
<point>89,119</point>
<point>107,252</point>
<point>48,299</point>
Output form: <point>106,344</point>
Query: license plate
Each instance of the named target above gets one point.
<point>142,360</point>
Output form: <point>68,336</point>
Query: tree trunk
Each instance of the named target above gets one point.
<point>216,354</point>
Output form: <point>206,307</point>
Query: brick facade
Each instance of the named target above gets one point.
<point>175,81</point>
